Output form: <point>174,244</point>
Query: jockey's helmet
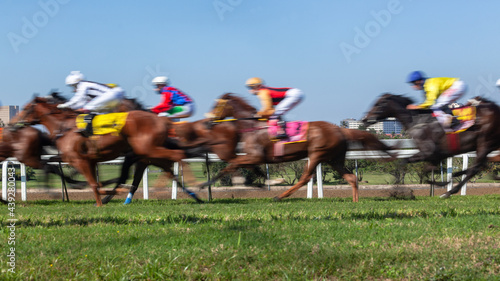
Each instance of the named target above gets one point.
<point>74,78</point>
<point>498,83</point>
<point>415,76</point>
<point>160,80</point>
<point>254,82</point>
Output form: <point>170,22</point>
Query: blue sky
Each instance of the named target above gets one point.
<point>342,54</point>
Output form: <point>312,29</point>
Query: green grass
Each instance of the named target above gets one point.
<point>112,171</point>
<point>257,239</point>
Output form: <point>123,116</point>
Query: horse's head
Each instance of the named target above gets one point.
<point>388,105</point>
<point>36,109</point>
<point>231,105</point>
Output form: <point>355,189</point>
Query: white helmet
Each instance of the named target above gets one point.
<point>74,78</point>
<point>498,83</point>
<point>161,80</point>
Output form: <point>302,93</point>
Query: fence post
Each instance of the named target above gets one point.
<point>145,184</point>
<point>449,172</point>
<point>5,165</point>
<point>268,179</point>
<point>5,177</point>
<point>310,184</point>
<point>23,182</point>
<point>465,165</point>
<point>319,180</point>
<point>174,182</point>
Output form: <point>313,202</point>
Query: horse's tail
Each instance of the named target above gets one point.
<point>368,140</point>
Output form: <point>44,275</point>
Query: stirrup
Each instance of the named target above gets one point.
<point>83,132</point>
<point>282,136</point>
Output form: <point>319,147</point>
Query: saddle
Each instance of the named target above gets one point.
<point>296,132</point>
<point>111,123</point>
<point>466,117</point>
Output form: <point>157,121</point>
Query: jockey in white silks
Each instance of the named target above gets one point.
<point>91,97</point>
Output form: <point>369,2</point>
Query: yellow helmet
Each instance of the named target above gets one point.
<point>254,82</point>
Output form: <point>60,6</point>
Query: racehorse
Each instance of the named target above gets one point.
<point>434,144</point>
<point>26,144</point>
<point>143,133</point>
<point>220,138</point>
<point>325,142</point>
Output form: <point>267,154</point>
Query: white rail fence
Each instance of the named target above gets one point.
<point>406,148</point>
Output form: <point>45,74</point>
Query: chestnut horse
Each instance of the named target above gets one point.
<point>143,133</point>
<point>26,145</point>
<point>220,138</point>
<point>433,143</point>
<point>326,142</point>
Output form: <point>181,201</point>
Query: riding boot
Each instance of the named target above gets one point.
<point>282,130</point>
<point>88,131</point>
<point>454,123</point>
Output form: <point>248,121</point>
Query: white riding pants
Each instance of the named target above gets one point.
<point>106,102</point>
<point>449,96</point>
<point>292,98</point>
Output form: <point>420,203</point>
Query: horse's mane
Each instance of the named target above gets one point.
<point>241,101</point>
<point>136,104</point>
<point>56,97</point>
<point>398,98</point>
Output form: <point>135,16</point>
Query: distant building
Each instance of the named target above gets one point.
<point>389,126</point>
<point>392,126</point>
<point>7,112</point>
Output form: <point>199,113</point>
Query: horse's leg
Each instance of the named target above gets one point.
<point>348,176</point>
<point>88,170</point>
<point>231,168</point>
<point>309,171</point>
<point>167,167</point>
<point>129,160</point>
<point>479,164</point>
<point>140,167</point>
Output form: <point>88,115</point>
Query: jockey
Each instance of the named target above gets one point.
<point>439,94</point>
<point>91,97</point>
<point>175,103</point>
<point>275,101</point>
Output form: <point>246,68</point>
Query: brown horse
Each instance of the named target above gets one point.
<point>27,146</point>
<point>326,142</point>
<point>220,138</point>
<point>143,133</point>
<point>430,138</point>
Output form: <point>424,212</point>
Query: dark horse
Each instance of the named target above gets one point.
<point>326,142</point>
<point>432,141</point>
<point>143,133</point>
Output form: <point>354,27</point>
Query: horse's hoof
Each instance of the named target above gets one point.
<point>127,201</point>
<point>445,195</point>
<point>276,199</point>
